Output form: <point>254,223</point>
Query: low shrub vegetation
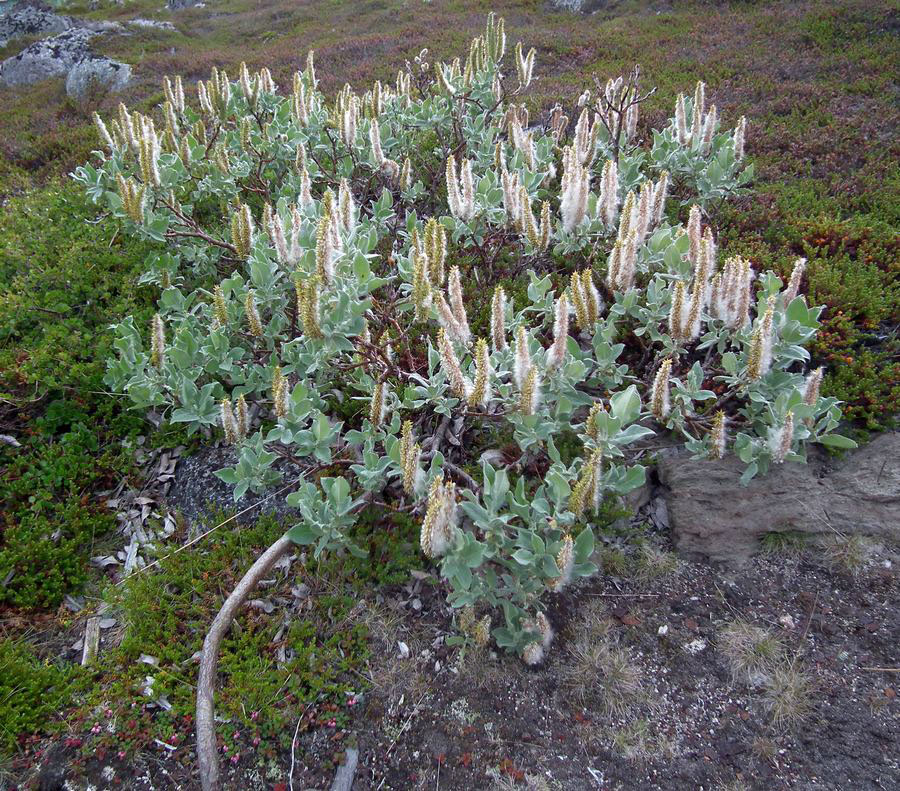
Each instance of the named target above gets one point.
<point>32,690</point>
<point>60,291</point>
<point>368,404</point>
<point>316,261</point>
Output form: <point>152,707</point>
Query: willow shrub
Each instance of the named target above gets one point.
<point>316,255</point>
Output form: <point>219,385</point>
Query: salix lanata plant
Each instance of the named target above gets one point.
<point>322,303</point>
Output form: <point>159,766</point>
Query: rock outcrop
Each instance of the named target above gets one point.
<point>28,20</point>
<point>713,517</point>
<point>151,24</point>
<point>57,57</point>
<point>567,5</point>
<point>103,73</point>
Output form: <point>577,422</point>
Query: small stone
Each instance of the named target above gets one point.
<point>696,646</point>
<point>757,679</point>
<point>787,622</point>
<point>663,630</point>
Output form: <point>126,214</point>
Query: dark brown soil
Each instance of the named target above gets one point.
<point>436,719</point>
<point>703,730</point>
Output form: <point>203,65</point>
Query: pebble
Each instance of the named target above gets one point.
<point>696,646</point>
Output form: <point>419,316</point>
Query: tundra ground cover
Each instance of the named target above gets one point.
<point>844,223</point>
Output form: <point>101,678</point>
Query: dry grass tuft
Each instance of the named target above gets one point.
<point>788,696</point>
<point>636,741</point>
<point>604,674</point>
<point>533,782</point>
<point>654,563</point>
<point>847,554</point>
<point>750,649</point>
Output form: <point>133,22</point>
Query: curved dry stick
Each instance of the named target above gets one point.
<point>207,755</point>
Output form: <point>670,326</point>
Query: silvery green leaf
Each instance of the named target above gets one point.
<point>355,550</point>
<point>504,637</point>
<point>837,441</point>
<point>626,404</point>
<point>538,287</point>
<point>634,477</point>
<point>523,556</point>
<point>749,473</point>
<point>633,433</point>
<point>227,474</point>
<point>472,554</point>
<point>584,570</point>
<point>549,567</point>
<point>584,545</point>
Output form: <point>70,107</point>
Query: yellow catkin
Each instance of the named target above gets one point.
<point>220,307</point>
<point>717,437</point>
<point>481,389</point>
<point>157,342</point>
<point>660,394</point>
<point>253,319</point>
<point>498,319</point>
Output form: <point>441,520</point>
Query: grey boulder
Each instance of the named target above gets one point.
<point>713,517</point>
<point>52,57</point>
<point>151,24</point>
<point>26,20</point>
<point>103,73</point>
<point>57,57</point>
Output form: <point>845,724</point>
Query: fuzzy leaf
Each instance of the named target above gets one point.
<point>837,441</point>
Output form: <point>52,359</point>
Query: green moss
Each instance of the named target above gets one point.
<point>392,541</point>
<point>64,275</point>
<point>322,646</point>
<point>63,280</point>
<point>869,385</point>
<point>51,517</point>
<point>32,692</point>
<point>853,264</point>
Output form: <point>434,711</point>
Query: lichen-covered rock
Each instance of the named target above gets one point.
<point>567,5</point>
<point>581,6</point>
<point>103,73</point>
<point>52,57</point>
<point>27,20</point>
<point>151,24</point>
<point>713,517</point>
<point>59,55</point>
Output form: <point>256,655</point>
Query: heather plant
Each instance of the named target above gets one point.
<point>315,256</point>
